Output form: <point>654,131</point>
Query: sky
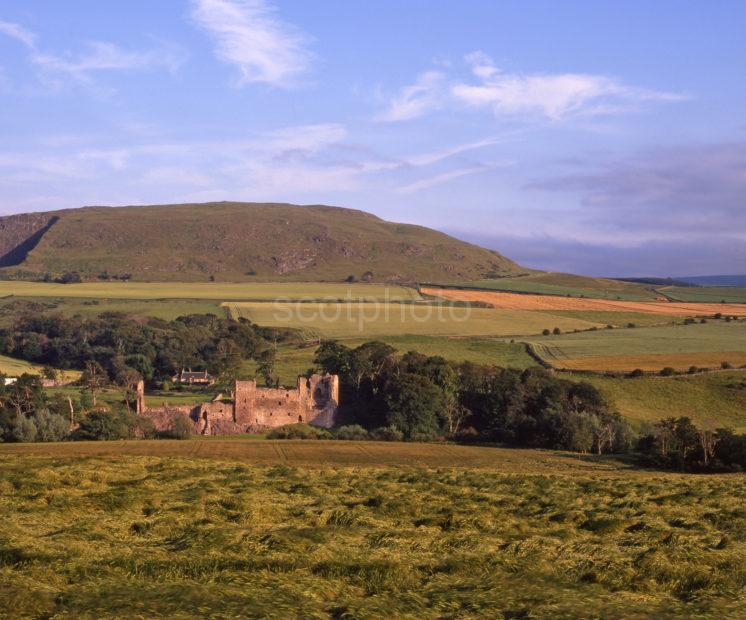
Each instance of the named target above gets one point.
<point>602,138</point>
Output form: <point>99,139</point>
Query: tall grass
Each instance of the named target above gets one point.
<point>155,537</point>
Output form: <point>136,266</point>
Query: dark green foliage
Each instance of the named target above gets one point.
<point>298,431</point>
<point>353,432</point>
<point>106,425</point>
<point>676,443</point>
<point>27,414</point>
<point>181,428</point>
<point>154,349</point>
<point>423,397</point>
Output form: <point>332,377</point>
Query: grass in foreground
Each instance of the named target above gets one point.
<point>174,538</point>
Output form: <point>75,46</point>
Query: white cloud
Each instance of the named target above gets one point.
<point>249,36</point>
<point>103,56</point>
<point>552,96</point>
<point>439,179</point>
<point>18,32</point>
<point>417,99</point>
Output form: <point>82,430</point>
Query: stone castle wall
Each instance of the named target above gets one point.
<point>314,401</point>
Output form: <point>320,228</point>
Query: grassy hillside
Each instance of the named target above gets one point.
<point>238,241</point>
<point>147,536</point>
<point>711,399</point>
<point>648,348</point>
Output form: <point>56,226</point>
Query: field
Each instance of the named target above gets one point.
<point>13,367</point>
<point>223,291</point>
<point>355,320</point>
<point>709,294</point>
<point>294,360</point>
<point>711,400</point>
<point>515,301</point>
<point>476,532</point>
<point>565,284</point>
<point>648,348</point>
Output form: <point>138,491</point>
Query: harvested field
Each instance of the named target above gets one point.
<point>517,301</point>
<point>152,537</point>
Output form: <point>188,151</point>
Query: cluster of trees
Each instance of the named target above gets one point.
<point>29,413</point>
<point>117,347</point>
<point>677,443</point>
<point>426,397</point>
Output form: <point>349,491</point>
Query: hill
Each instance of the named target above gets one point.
<point>237,241</point>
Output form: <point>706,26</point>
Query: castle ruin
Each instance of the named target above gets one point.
<point>314,401</point>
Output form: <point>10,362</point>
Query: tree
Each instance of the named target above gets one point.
<point>127,380</point>
<point>413,405</point>
<point>94,379</point>
<point>50,374</point>
<point>707,441</point>
<point>266,365</point>
<point>105,425</point>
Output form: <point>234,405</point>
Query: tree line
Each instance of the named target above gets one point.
<point>422,397</point>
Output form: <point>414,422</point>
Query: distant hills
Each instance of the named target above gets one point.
<point>237,241</point>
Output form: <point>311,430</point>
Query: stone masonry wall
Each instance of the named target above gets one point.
<point>314,401</point>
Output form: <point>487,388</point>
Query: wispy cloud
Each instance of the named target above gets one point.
<point>425,95</point>
<point>250,36</point>
<point>439,179</point>
<point>97,56</point>
<point>103,56</point>
<point>18,32</point>
<point>552,96</point>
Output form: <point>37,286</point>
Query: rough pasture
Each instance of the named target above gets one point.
<point>516,301</point>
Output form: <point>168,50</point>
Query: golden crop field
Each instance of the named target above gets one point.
<point>517,301</point>
<point>427,532</point>
<point>371,320</point>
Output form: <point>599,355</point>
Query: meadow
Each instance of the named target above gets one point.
<point>708,294</point>
<point>12,367</point>
<point>711,400</point>
<point>647,348</point>
<point>362,320</point>
<point>515,534</point>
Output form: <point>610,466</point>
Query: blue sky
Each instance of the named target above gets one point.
<point>605,138</point>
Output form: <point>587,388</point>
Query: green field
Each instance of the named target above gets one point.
<point>711,400</point>
<point>482,532</point>
<point>567,285</point>
<point>353,320</point>
<point>707,294</point>
<point>167,309</point>
<point>223,291</point>
<point>294,360</point>
<point>679,346</point>
<point>617,319</point>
